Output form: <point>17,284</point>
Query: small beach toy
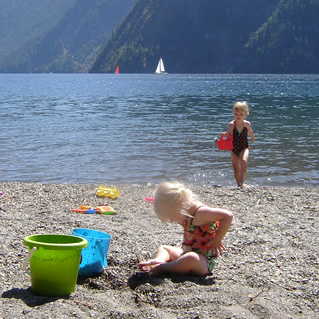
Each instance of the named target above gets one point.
<point>224,143</point>
<point>85,211</point>
<point>111,192</point>
<point>105,210</point>
<point>149,199</point>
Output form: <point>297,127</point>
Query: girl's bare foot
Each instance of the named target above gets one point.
<point>147,265</point>
<point>154,269</point>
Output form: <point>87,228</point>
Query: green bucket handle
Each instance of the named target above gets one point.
<point>27,259</point>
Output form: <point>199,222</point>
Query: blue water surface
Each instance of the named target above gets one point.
<point>145,128</point>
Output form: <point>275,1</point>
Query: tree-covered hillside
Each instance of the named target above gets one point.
<point>203,36</point>
<point>22,24</point>
<point>73,45</point>
<point>213,36</point>
<point>288,42</point>
<point>192,36</point>
<point>72,42</point>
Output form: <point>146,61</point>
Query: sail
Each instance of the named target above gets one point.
<point>117,70</point>
<point>160,67</point>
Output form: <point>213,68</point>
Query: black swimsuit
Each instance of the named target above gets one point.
<point>240,139</point>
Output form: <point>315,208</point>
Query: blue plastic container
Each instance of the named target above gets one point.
<point>94,256</point>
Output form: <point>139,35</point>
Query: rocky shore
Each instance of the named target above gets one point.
<point>270,270</point>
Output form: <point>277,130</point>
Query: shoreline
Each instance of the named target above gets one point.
<point>270,269</point>
<point>153,184</point>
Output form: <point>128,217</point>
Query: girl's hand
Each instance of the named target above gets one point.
<point>217,247</point>
<point>228,135</point>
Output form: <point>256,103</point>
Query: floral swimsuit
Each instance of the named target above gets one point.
<point>197,239</point>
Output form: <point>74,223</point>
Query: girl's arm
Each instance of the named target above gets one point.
<point>250,131</point>
<point>209,215</point>
<point>230,129</point>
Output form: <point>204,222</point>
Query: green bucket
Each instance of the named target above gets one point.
<point>54,263</point>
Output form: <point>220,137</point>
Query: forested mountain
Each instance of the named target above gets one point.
<point>287,43</point>
<point>22,25</point>
<point>192,36</point>
<point>72,43</point>
<point>213,36</point>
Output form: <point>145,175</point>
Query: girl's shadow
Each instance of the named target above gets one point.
<point>141,278</point>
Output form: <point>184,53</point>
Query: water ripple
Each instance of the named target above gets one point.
<point>98,128</point>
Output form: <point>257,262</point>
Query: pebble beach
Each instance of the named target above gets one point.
<point>270,269</point>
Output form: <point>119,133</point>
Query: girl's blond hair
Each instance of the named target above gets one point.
<point>172,196</point>
<point>241,107</point>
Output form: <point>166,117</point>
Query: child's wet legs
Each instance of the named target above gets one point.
<point>236,167</point>
<point>243,166</point>
<point>240,166</point>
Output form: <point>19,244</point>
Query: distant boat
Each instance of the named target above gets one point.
<point>117,70</point>
<point>160,67</point>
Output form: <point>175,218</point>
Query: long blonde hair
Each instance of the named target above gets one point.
<point>172,195</point>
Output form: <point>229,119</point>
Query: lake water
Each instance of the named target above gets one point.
<point>108,129</point>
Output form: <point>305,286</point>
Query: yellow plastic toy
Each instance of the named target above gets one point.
<point>111,192</point>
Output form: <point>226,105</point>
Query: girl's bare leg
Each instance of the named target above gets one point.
<point>188,263</point>
<point>243,166</point>
<point>236,167</point>
<point>164,254</point>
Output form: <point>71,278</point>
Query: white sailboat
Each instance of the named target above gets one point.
<point>160,67</point>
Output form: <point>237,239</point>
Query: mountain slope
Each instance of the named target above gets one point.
<point>22,24</point>
<point>288,42</point>
<point>191,36</point>
<point>202,36</point>
<point>72,44</point>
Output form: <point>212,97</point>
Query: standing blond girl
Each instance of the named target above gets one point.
<point>239,128</point>
<point>204,229</point>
